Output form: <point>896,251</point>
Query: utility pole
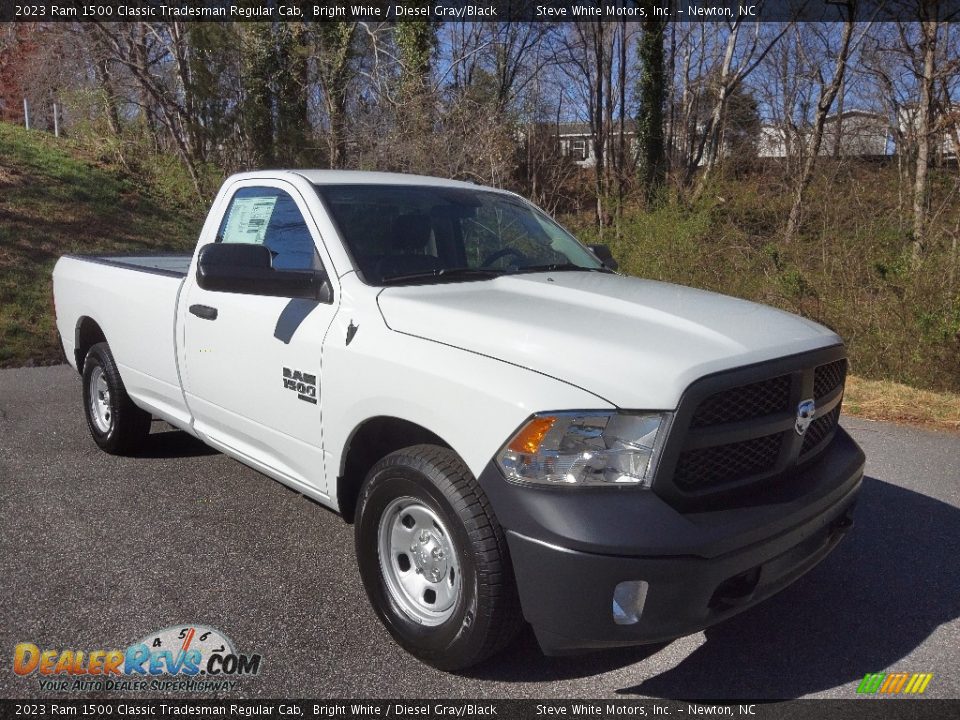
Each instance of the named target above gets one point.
<point>26,114</point>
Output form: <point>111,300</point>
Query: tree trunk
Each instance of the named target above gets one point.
<point>130,49</point>
<point>954,258</point>
<point>929,30</point>
<point>109,97</point>
<point>729,80</point>
<point>258,95</point>
<point>599,127</point>
<point>653,92</point>
<point>292,116</point>
<point>711,136</point>
<point>334,76</point>
<point>838,135</point>
<point>827,97</point>
<point>622,154</point>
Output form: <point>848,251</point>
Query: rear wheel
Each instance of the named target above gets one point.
<point>434,559</point>
<point>116,424</point>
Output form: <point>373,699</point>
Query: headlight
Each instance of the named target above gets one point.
<point>586,448</point>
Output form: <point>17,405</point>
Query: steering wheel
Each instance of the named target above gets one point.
<point>502,253</point>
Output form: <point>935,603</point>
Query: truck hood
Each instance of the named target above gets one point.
<point>635,343</point>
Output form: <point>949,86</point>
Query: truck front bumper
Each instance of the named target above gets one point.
<point>571,548</point>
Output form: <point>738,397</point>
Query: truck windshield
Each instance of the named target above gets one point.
<point>423,234</point>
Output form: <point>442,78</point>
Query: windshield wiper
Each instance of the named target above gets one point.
<point>558,267</point>
<point>464,273</point>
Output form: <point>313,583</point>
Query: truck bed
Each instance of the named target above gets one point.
<point>132,300</point>
<point>171,264</point>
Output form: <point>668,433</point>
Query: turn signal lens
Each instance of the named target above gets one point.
<point>529,438</point>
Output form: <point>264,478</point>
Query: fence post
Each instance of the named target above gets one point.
<point>26,114</point>
<point>56,121</point>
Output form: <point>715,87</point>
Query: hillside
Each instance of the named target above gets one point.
<point>57,197</point>
<point>850,266</point>
<point>847,270</point>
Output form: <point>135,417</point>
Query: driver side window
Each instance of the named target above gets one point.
<point>269,216</point>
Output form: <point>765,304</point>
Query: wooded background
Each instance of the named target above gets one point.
<point>683,118</point>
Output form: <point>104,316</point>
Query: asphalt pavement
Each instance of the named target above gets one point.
<point>97,551</point>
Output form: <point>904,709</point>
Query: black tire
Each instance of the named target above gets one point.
<point>486,615</point>
<point>127,425</point>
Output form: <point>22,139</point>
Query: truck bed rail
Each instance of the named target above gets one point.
<point>169,264</point>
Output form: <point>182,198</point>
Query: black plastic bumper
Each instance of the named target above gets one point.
<point>571,547</point>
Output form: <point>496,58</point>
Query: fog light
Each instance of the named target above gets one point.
<point>628,600</point>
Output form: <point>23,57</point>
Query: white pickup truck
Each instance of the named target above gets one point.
<point>515,430</point>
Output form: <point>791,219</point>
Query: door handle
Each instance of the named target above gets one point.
<point>204,311</point>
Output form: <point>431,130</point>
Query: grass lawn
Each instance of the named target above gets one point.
<point>57,198</point>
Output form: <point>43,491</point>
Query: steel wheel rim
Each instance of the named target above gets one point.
<point>419,561</point>
<point>100,411</point>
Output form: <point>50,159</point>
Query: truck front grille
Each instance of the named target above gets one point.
<point>743,403</point>
<point>710,467</point>
<point>733,430</point>
<point>819,430</point>
<point>827,377</point>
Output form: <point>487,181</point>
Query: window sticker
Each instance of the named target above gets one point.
<point>248,220</point>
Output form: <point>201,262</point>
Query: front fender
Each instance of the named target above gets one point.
<point>472,401</point>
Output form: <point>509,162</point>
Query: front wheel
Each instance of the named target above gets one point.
<point>117,425</point>
<point>434,559</point>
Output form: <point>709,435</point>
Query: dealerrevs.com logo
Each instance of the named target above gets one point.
<point>180,658</point>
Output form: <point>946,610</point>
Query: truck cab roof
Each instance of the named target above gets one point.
<point>356,177</point>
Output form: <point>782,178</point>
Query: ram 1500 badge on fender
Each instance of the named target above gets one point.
<point>516,431</point>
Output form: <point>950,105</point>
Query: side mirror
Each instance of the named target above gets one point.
<point>604,255</point>
<point>248,270</point>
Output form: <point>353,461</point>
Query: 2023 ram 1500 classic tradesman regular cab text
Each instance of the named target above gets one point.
<point>515,430</point>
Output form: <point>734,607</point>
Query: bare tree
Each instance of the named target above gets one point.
<point>828,90</point>
<point>653,94</point>
<point>335,43</point>
<point>156,54</point>
<point>733,69</point>
<point>907,63</point>
<point>587,60</point>
<point>927,79</point>
<point>508,54</point>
